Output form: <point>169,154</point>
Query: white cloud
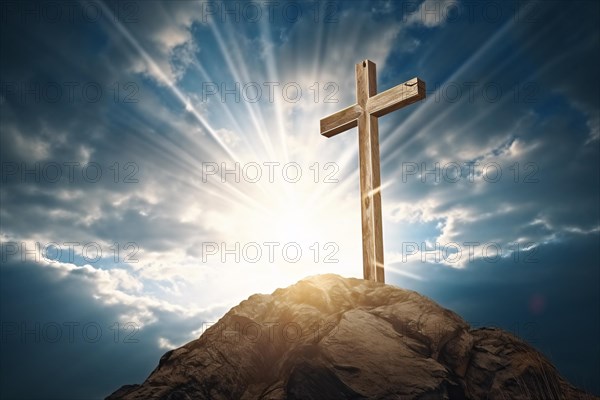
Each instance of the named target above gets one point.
<point>164,343</point>
<point>432,13</point>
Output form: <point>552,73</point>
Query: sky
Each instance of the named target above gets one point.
<point>161,161</point>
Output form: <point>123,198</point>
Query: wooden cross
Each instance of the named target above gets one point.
<point>369,106</point>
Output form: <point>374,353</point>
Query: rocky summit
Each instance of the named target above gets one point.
<point>328,337</point>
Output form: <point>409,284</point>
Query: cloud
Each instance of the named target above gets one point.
<point>432,13</point>
<point>85,315</point>
<point>540,144</point>
<point>165,39</point>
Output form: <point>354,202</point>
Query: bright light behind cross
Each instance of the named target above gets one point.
<point>247,236</point>
<point>288,233</point>
<point>290,201</point>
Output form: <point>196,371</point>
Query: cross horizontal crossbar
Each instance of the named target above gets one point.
<point>379,105</point>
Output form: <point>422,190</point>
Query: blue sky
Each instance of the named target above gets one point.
<point>119,120</point>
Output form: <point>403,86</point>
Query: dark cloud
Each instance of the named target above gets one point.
<point>58,342</point>
<point>549,298</point>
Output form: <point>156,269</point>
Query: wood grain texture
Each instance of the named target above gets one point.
<point>370,179</point>
<point>397,97</point>
<point>340,121</point>
<point>364,115</point>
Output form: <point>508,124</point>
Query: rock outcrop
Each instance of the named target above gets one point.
<point>328,337</point>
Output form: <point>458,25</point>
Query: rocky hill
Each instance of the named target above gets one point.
<point>328,337</point>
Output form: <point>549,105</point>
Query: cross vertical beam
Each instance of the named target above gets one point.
<point>370,177</point>
<point>369,106</point>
